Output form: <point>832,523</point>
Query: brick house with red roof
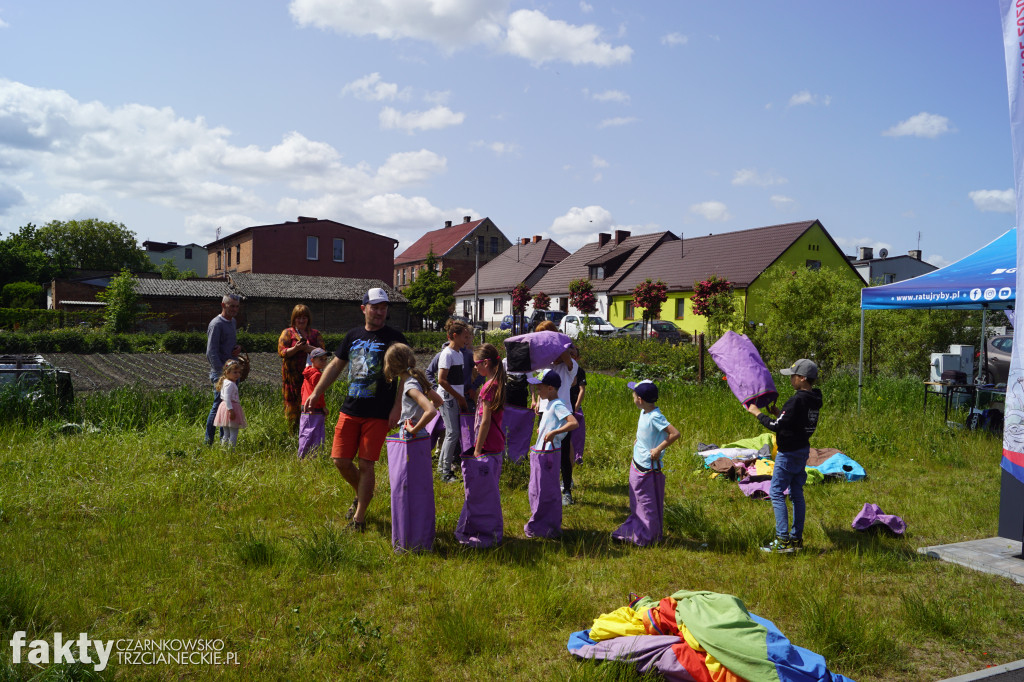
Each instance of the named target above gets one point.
<point>308,246</point>
<point>448,245</point>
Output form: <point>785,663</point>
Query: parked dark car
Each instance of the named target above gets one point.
<point>998,350</point>
<point>506,323</point>
<point>539,316</point>
<point>657,330</point>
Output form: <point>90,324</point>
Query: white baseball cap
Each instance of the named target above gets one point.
<point>375,295</point>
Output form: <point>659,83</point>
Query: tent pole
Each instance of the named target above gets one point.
<point>860,361</point>
<point>981,348</point>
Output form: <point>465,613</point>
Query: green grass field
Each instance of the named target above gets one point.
<point>130,529</point>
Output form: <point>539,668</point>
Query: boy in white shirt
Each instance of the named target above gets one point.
<point>556,421</point>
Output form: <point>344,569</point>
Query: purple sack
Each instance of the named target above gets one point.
<point>545,494</point>
<point>412,493</point>
<point>646,508</point>
<point>518,425</point>
<point>481,523</point>
<point>578,437</point>
<point>436,430</point>
<point>467,424</point>
<point>748,377</point>
<point>529,352</point>
<point>871,515</point>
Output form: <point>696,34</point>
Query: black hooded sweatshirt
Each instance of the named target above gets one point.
<point>796,422</point>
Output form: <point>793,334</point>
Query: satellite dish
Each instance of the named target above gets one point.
<point>883,253</point>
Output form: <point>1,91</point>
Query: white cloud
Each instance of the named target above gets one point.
<point>432,119</point>
<point>674,39</point>
<point>371,88</point>
<point>618,121</point>
<point>598,177</point>
<point>75,206</point>
<point>750,176</point>
<point>609,96</point>
<point>94,158</point>
<point>921,125</point>
<point>4,24</point>
<point>449,25</point>
<point>583,221</point>
<point>714,211</point>
<point>533,36</point>
<point>598,162</point>
<point>585,7</point>
<point>10,196</point>
<point>453,25</point>
<point>805,97</point>
<point>437,97</point>
<point>996,200</point>
<point>782,202</point>
<point>938,261</point>
<point>498,148</point>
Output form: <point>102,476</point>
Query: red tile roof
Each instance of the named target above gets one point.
<point>737,256</point>
<point>577,265</point>
<point>442,241</point>
<point>514,265</point>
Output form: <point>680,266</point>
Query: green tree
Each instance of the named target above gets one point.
<point>122,303</point>
<point>431,293</point>
<point>22,295</point>
<point>649,296</point>
<point>91,245</point>
<point>168,270</point>
<point>22,258</point>
<point>713,298</point>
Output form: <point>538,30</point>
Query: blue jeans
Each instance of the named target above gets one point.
<point>210,428</point>
<point>789,473</point>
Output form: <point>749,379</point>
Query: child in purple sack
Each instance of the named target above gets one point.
<point>311,420</point>
<point>646,481</point>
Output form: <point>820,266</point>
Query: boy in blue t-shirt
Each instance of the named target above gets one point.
<point>545,496</point>
<point>646,480</point>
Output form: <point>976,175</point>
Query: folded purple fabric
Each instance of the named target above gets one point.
<point>872,515</point>
<point>748,377</point>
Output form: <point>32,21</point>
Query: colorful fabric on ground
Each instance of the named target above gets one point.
<point>622,622</point>
<point>717,640</point>
<point>736,454</point>
<point>756,443</point>
<point>841,464</point>
<point>872,515</point>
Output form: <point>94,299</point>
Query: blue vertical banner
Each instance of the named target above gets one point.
<point>1013,42</point>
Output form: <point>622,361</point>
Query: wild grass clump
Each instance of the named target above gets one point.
<point>329,547</point>
<point>253,546</point>
<point>848,637</point>
<point>20,603</point>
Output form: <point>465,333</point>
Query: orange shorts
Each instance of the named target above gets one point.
<point>365,435</point>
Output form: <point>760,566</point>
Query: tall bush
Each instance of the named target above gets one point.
<point>122,302</point>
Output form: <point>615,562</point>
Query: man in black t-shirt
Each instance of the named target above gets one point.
<point>372,405</point>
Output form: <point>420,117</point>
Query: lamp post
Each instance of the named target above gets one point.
<point>476,274</point>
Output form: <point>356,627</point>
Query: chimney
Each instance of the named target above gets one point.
<point>523,241</point>
<point>865,253</point>
<point>620,236</point>
<point>176,243</point>
<point>915,254</point>
<point>536,238</point>
<point>307,219</point>
<point>466,218</point>
<point>603,238</point>
<point>447,223</point>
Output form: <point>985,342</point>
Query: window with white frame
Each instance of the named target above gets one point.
<point>312,248</point>
<point>498,306</point>
<point>339,250</point>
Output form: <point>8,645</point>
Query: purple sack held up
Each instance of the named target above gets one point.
<point>467,422</point>
<point>872,515</point>
<point>646,508</point>
<point>529,352</point>
<point>412,493</point>
<point>436,430</point>
<point>748,377</point>
<point>545,494</point>
<point>481,523</point>
<point>518,425</point>
<point>578,437</point>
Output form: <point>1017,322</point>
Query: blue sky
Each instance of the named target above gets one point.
<point>885,120</point>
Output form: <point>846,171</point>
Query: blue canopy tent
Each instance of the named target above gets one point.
<point>985,280</point>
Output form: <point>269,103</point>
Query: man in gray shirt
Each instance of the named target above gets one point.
<point>221,346</point>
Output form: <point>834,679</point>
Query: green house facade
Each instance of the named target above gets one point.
<point>741,257</point>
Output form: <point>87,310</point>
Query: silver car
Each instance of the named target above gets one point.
<point>657,330</point>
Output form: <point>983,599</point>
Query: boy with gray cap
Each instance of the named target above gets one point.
<point>793,428</point>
